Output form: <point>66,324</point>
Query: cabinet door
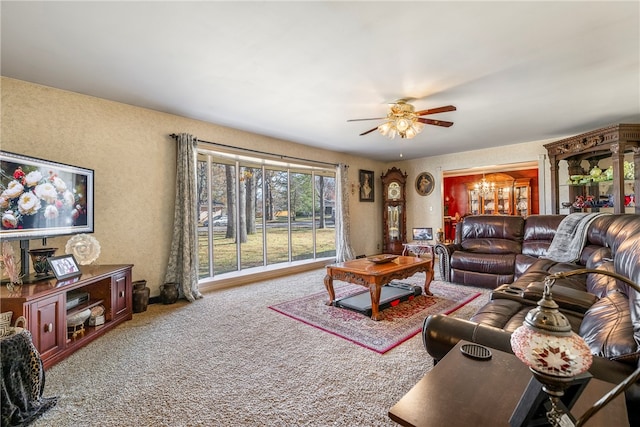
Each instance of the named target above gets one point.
<point>48,325</point>
<point>122,294</point>
<point>474,202</point>
<point>489,203</point>
<point>503,200</point>
<point>521,198</point>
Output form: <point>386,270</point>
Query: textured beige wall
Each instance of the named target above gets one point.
<point>134,161</point>
<point>427,211</point>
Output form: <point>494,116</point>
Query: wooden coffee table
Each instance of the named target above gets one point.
<point>375,276</point>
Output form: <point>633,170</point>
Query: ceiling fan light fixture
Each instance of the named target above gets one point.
<point>401,120</point>
<point>402,124</point>
<point>413,130</point>
<point>385,128</point>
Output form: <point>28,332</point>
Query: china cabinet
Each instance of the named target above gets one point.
<point>583,153</point>
<point>394,212</point>
<point>498,200</point>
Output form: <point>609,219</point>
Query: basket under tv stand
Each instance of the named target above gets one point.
<point>44,305</point>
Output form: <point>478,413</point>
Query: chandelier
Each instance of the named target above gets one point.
<point>484,187</point>
<point>401,120</point>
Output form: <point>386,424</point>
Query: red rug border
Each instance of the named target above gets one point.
<point>386,349</point>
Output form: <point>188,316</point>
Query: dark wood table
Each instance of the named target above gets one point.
<point>461,391</point>
<point>374,276</point>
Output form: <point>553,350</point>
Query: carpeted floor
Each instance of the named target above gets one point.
<point>401,321</point>
<point>228,360</point>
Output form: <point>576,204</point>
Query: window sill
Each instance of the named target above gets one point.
<point>237,278</point>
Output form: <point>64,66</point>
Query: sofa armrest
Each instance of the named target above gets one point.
<point>444,252</point>
<point>567,298</point>
<point>440,333</point>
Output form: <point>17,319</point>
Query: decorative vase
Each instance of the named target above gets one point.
<point>39,259</point>
<point>169,292</point>
<point>140,296</point>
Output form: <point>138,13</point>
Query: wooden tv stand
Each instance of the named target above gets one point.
<point>44,305</point>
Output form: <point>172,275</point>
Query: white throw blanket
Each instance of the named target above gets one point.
<point>569,240</point>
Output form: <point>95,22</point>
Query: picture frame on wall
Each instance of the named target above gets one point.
<point>422,234</point>
<point>366,186</point>
<point>425,183</point>
<point>64,266</point>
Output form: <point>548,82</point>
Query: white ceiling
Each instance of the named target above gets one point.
<point>516,71</point>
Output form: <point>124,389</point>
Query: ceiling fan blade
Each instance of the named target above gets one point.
<point>359,120</point>
<point>369,131</point>
<point>435,122</point>
<point>436,110</point>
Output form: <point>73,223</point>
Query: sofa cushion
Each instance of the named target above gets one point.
<point>492,246</point>
<point>492,234</point>
<point>502,313</point>
<point>592,255</point>
<point>608,331</point>
<point>622,230</point>
<point>599,284</point>
<point>597,233</point>
<point>483,263</point>
<point>627,263</point>
<point>484,280</point>
<point>523,263</point>
<point>538,233</point>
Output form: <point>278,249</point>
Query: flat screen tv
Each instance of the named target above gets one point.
<point>40,198</point>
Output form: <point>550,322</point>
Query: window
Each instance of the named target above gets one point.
<point>254,212</point>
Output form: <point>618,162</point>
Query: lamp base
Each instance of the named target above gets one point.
<point>535,403</point>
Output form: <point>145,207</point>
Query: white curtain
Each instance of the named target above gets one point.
<point>344,252</point>
<point>182,267</point>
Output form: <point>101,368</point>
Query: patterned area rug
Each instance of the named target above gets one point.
<point>401,322</point>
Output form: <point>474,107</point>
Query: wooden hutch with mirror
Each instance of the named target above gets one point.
<point>602,170</point>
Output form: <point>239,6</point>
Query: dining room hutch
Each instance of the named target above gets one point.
<point>506,195</point>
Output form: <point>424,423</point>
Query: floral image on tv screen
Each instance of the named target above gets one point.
<point>40,198</point>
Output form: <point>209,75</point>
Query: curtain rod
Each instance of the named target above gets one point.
<point>280,156</point>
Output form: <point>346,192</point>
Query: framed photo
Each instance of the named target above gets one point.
<point>423,234</point>
<point>366,186</point>
<point>425,184</point>
<point>64,266</point>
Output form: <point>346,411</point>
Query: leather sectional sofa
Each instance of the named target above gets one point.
<point>601,309</point>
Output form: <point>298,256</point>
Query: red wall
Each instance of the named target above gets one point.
<point>456,194</point>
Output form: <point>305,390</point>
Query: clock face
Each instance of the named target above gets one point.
<point>393,191</point>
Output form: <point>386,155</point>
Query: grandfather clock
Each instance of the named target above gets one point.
<point>394,211</point>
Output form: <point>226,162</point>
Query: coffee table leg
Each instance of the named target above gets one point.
<point>328,283</point>
<point>427,281</point>
<point>375,290</point>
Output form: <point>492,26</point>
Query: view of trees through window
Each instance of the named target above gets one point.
<point>256,212</point>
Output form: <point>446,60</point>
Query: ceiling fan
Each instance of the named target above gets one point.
<point>403,120</point>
